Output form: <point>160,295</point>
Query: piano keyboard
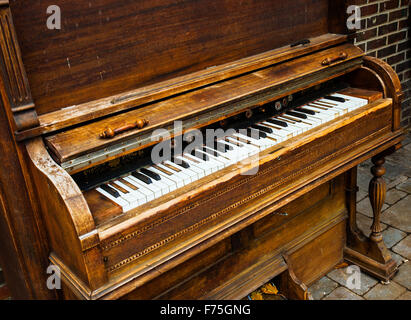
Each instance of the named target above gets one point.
<point>154,181</point>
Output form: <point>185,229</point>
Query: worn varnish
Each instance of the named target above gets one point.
<point>119,64</point>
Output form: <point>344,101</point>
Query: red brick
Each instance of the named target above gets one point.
<point>369,10</point>
<point>377,20</point>
<point>396,15</point>
<point>388,28</point>
<point>367,34</point>
<point>397,37</point>
<point>386,51</point>
<point>404,45</point>
<point>403,66</point>
<point>395,59</point>
<point>402,24</point>
<point>376,44</point>
<point>357,2</point>
<point>388,5</point>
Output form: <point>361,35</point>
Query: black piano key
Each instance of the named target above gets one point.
<point>255,134</point>
<point>142,177</point>
<point>151,174</point>
<point>278,122</point>
<point>180,163</point>
<point>210,151</point>
<point>338,99</point>
<point>200,155</point>
<point>263,129</point>
<point>311,112</point>
<point>223,147</point>
<point>110,190</point>
<point>296,114</point>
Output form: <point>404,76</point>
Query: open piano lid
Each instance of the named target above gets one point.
<point>112,55</point>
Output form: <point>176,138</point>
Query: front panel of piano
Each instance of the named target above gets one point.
<point>279,200</point>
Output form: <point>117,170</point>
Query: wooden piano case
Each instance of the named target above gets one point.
<point>198,62</point>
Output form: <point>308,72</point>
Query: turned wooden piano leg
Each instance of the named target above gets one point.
<point>370,254</point>
<point>377,191</point>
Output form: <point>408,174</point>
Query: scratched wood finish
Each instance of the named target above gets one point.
<point>107,47</point>
<point>24,248</point>
<point>112,231</point>
<point>119,55</point>
<point>248,90</point>
<point>90,110</point>
<point>155,229</point>
<point>231,262</point>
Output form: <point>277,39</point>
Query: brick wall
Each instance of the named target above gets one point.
<point>385,34</point>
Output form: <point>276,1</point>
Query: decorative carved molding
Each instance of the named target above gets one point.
<point>14,76</point>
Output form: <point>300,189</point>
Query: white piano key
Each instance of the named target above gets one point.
<point>158,183</point>
<point>334,105</point>
<point>359,101</point>
<point>133,194</point>
<point>244,148</point>
<point>148,193</point>
<point>221,157</point>
<point>337,112</point>
<point>299,126</point>
<point>120,201</point>
<point>193,173</point>
<point>236,153</point>
<point>332,112</point>
<point>179,178</point>
<point>129,197</point>
<point>194,162</point>
<point>253,141</point>
<point>155,189</point>
<point>165,179</point>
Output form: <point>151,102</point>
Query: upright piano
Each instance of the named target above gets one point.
<point>170,149</point>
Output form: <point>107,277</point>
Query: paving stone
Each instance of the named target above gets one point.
<point>364,224</point>
<point>400,157</point>
<point>405,296</point>
<point>394,195</point>
<point>394,169</point>
<point>389,291</point>
<point>405,186</point>
<point>407,139</point>
<point>396,181</point>
<point>404,248</point>
<point>341,276</point>
<point>322,287</point>
<point>392,236</point>
<point>399,215</point>
<point>407,147</point>
<point>363,179</point>
<point>366,165</point>
<point>403,276</point>
<point>397,258</point>
<point>342,293</point>
<point>361,195</point>
<point>364,207</point>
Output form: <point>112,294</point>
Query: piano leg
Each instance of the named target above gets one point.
<point>369,253</point>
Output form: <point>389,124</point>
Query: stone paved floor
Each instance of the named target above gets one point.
<point>396,222</point>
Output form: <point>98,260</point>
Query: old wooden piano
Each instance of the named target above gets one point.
<point>85,107</point>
